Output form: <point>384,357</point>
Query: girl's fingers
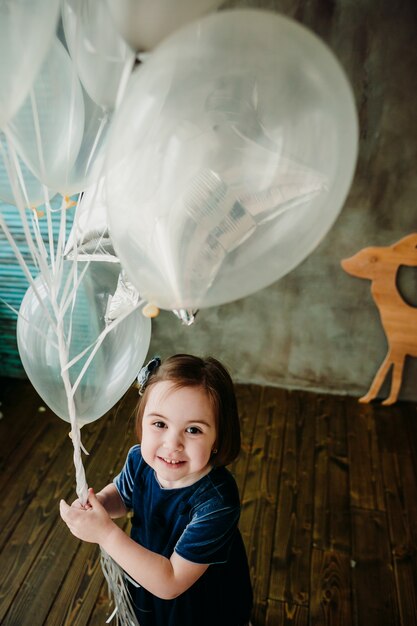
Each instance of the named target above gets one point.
<point>63,508</point>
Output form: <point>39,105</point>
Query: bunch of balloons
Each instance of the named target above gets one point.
<point>218,163</point>
<point>63,67</point>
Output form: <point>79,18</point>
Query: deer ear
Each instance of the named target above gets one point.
<point>407,246</point>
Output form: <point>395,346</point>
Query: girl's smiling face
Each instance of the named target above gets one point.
<point>178,433</point>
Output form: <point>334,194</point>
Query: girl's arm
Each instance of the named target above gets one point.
<point>110,498</point>
<point>163,577</point>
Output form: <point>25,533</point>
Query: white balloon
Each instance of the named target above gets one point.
<point>144,24</point>
<point>114,366</point>
<point>23,182</point>
<point>89,237</point>
<point>88,165</point>
<point>27,28</point>
<point>100,54</point>
<point>48,128</point>
<point>229,159</point>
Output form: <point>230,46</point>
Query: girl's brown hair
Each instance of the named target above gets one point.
<point>185,370</point>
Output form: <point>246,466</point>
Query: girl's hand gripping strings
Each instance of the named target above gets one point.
<point>165,578</point>
<point>90,522</point>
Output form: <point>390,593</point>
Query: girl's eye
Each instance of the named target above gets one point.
<point>193,430</point>
<point>159,424</point>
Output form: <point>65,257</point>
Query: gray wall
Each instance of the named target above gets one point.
<point>318,328</point>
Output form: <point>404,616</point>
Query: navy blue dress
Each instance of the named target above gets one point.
<point>199,522</point>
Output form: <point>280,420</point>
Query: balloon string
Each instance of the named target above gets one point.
<point>17,172</point>
<point>116,581</point>
<point>12,166</point>
<point>81,481</point>
<point>62,231</point>
<point>25,268</point>
<point>76,278</point>
<point>124,79</point>
<point>98,343</point>
<point>97,138</point>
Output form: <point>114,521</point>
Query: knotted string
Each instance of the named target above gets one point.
<point>118,592</point>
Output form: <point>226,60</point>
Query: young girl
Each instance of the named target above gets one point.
<point>185,550</point>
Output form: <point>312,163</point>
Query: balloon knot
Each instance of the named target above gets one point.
<point>39,212</point>
<point>150,310</point>
<point>69,203</point>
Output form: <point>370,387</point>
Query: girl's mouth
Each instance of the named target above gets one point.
<point>171,462</point>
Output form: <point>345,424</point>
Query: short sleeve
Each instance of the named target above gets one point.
<point>125,480</point>
<point>208,536</point>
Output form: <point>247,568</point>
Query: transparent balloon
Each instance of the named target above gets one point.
<point>144,24</point>
<point>114,366</point>
<point>17,179</point>
<point>88,165</point>
<point>101,55</point>
<point>48,128</point>
<point>26,32</point>
<point>229,159</point>
<point>89,237</point>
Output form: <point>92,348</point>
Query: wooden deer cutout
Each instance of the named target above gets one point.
<point>399,319</point>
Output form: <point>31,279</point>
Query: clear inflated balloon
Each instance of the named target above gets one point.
<point>100,54</point>
<point>17,179</point>
<point>48,128</point>
<point>144,24</point>
<point>114,366</point>
<point>229,159</point>
<point>27,28</point>
<point>89,237</point>
<point>88,165</point>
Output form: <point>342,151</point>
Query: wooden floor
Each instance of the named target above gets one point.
<point>329,516</point>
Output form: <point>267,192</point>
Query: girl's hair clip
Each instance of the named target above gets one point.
<point>146,371</point>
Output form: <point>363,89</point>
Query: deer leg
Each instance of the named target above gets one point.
<point>397,373</point>
<point>378,380</point>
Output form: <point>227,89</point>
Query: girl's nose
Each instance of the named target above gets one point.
<point>173,442</point>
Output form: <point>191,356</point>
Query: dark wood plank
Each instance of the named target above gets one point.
<point>248,399</point>
<point>401,497</point>
<point>366,489</point>
<point>83,596</point>
<point>409,417</point>
<point>290,575</point>
<point>260,493</point>
<point>104,605</point>
<point>22,479</point>
<point>20,405</point>
<point>374,590</point>
<point>27,439</point>
<point>405,572</point>
<point>24,547</point>
<point>78,594</point>
<point>330,585</point>
<point>284,614</point>
<point>331,488</point>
